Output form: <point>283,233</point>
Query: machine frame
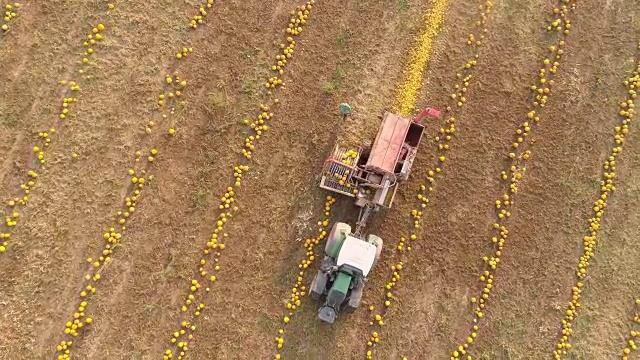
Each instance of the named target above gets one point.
<point>370,175</point>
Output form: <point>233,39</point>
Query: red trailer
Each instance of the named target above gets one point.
<point>371,174</point>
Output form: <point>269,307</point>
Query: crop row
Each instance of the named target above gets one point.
<point>444,139</point>
<point>607,187</point>
<point>209,264</point>
<point>517,158</point>
<point>10,12</point>
<point>631,346</point>
<point>139,176</point>
<point>420,53</point>
<point>38,160</point>
<point>298,291</point>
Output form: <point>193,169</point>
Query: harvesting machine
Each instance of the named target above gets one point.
<point>370,175</point>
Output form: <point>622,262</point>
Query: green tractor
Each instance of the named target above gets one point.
<point>371,175</point>
<point>343,271</point>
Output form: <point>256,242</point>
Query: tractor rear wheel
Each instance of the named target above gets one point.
<point>355,298</point>
<point>338,233</point>
<point>319,283</point>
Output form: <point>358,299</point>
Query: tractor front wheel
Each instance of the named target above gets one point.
<point>377,242</point>
<point>338,233</point>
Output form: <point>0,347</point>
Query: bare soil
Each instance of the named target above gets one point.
<point>353,52</point>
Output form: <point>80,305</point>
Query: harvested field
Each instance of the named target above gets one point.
<point>160,162</point>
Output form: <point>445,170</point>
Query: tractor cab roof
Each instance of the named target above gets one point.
<point>358,254</point>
